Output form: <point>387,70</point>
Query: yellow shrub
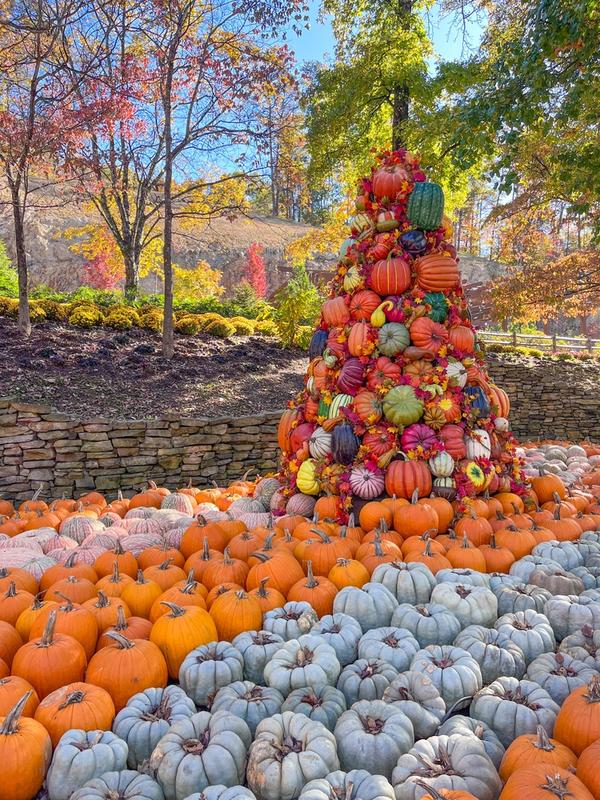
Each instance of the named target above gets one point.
<point>189,325</point>
<point>86,316</point>
<point>209,317</point>
<point>243,326</point>
<point>152,320</point>
<point>53,310</point>
<point>222,329</point>
<point>266,327</point>
<point>121,317</point>
<point>9,306</point>
<point>36,312</point>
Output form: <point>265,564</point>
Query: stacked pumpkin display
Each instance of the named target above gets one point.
<point>396,396</point>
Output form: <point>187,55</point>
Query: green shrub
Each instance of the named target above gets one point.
<point>121,317</point>
<point>243,326</point>
<point>223,329</point>
<point>86,316</point>
<point>36,312</point>
<point>99,297</point>
<point>303,336</point>
<point>266,327</point>
<point>9,282</point>
<point>152,320</point>
<point>53,310</point>
<point>189,325</point>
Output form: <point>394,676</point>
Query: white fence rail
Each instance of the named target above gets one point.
<point>550,344</point>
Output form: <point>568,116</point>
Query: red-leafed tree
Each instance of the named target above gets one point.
<point>256,272</point>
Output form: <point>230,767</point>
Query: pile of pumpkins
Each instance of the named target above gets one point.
<point>573,463</point>
<point>187,646</point>
<point>397,395</point>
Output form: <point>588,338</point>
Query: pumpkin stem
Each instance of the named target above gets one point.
<point>72,698</point>
<point>68,606</point>
<point>37,602</point>
<point>12,590</point>
<point>268,543</point>
<point>311,582</point>
<point>10,724</point>
<point>190,584</point>
<point>543,742</point>
<point>176,611</point>
<point>466,544</point>
<point>262,557</point>
<point>322,535</point>
<point>103,601</point>
<point>262,588</point>
<point>116,575</point>
<point>593,690</point>
<point>493,544</point>
<point>70,560</point>
<point>241,594</point>
<point>118,548</point>
<point>430,791</point>
<point>342,562</point>
<point>47,637</point>
<point>165,564</point>
<point>141,578</point>
<point>123,642</point>
<point>121,623</point>
<point>205,550</point>
<point>227,560</point>
<point>415,496</point>
<point>557,786</point>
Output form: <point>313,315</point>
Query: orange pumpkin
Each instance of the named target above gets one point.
<point>427,334</point>
<point>76,705</point>
<point>436,273</point>
<point>390,276</point>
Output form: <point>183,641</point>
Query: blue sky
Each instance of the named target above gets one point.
<point>447,38</point>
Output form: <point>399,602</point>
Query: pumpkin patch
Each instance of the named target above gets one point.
<point>409,609</point>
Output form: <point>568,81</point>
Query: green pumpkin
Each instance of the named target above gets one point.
<point>401,406</point>
<point>439,306</point>
<point>426,206</point>
<point>393,338</point>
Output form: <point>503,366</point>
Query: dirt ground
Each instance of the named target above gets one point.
<point>117,374</point>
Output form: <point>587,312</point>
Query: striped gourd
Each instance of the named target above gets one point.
<point>338,402</point>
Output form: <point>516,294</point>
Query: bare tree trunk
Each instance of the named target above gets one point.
<point>401,99</point>
<point>132,276</point>
<point>23,317</point>
<point>168,342</point>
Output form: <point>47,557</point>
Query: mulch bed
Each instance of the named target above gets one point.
<point>122,374</point>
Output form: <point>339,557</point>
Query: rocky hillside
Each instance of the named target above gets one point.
<point>223,243</point>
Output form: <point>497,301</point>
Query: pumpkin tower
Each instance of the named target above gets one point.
<point>397,396</point>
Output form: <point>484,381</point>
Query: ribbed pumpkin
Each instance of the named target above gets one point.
<point>50,661</point>
<point>180,630</point>
<point>234,613</point>
<point>76,705</point>
<point>12,689</point>
<point>127,667</point>
<point>25,753</point>
<point>390,276</point>
<point>430,335</point>
<point>404,477</point>
<point>436,273</point>
<point>335,311</point>
<point>363,304</point>
<point>426,206</point>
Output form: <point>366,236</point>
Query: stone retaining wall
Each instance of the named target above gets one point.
<point>550,400</point>
<point>39,445</point>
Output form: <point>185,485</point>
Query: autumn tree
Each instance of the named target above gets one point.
<point>37,115</point>
<point>199,282</point>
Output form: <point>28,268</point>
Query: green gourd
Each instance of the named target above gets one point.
<point>426,206</point>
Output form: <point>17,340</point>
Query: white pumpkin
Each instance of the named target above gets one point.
<point>501,424</point>
<point>456,373</point>
<point>338,402</point>
<point>479,444</point>
<point>441,465</point>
